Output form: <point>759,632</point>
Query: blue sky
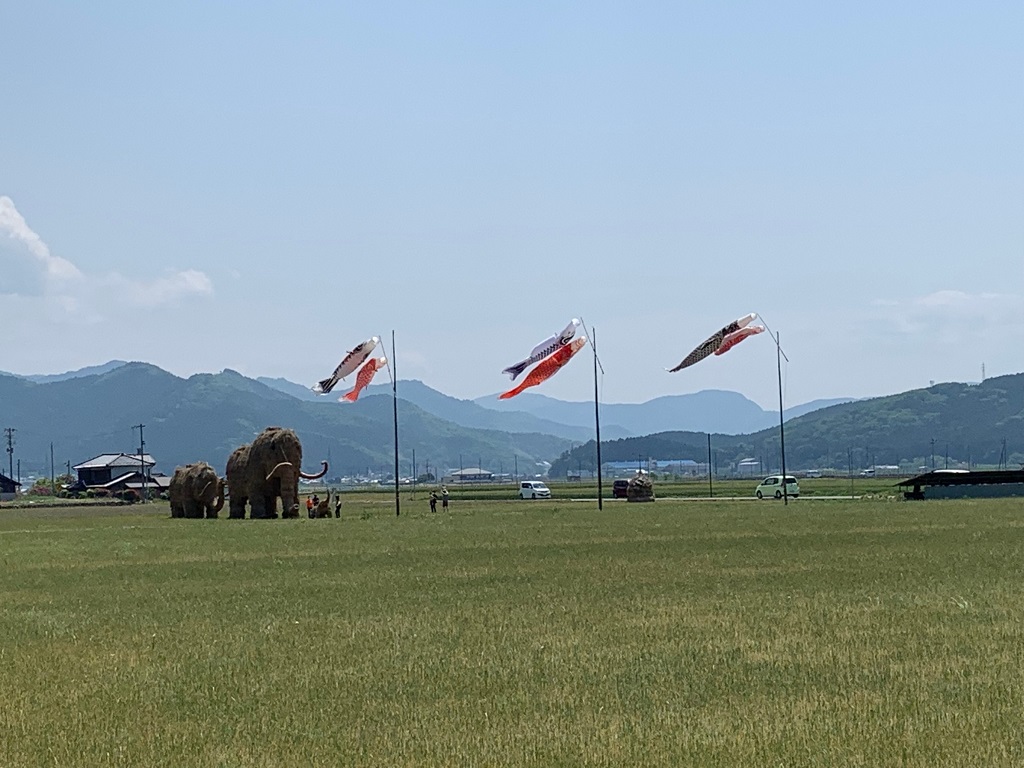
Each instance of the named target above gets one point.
<point>260,186</point>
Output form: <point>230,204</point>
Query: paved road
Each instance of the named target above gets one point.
<point>729,498</point>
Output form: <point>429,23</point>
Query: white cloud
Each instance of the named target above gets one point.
<point>32,270</point>
<point>167,289</point>
<point>12,223</point>
<point>956,316</point>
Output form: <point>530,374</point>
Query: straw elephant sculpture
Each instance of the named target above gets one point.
<point>264,471</point>
<point>195,491</point>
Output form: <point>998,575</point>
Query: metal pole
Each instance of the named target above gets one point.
<point>849,468</point>
<point>394,402</point>
<point>711,487</point>
<point>597,419</point>
<point>782,429</point>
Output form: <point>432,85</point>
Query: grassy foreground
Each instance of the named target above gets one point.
<point>864,633</point>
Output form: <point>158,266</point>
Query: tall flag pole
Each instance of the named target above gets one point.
<point>597,419</point>
<point>782,428</point>
<point>394,403</point>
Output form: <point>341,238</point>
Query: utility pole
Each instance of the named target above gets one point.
<point>9,431</point>
<point>142,458</point>
<point>933,453</point>
<point>711,486</point>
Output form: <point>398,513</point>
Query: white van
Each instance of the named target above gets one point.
<point>533,489</point>
<point>771,487</point>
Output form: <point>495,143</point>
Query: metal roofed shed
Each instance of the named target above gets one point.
<point>962,484</point>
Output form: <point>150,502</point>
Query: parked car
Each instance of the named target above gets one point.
<point>533,489</point>
<point>771,486</point>
<point>619,489</point>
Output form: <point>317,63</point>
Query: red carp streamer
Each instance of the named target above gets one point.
<point>544,349</point>
<point>714,342</point>
<point>734,338</point>
<point>363,378</point>
<point>547,367</point>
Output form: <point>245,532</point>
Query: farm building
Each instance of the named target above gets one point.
<point>961,484</point>
<point>469,475</point>
<point>8,488</point>
<point>662,466</point>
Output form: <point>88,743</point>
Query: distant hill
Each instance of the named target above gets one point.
<point>465,413</point>
<point>965,422</point>
<point>206,416</point>
<point>714,411</point>
<point>706,411</point>
<point>92,370</point>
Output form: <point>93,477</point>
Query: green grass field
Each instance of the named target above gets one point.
<point>861,633</point>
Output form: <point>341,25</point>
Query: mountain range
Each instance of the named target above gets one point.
<point>706,411</point>
<point>97,410</point>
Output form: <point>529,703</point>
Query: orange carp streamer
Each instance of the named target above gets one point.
<point>546,368</point>
<point>363,378</point>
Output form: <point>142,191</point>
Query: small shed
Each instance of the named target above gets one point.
<point>8,488</point>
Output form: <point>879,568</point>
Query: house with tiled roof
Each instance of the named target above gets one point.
<point>101,470</point>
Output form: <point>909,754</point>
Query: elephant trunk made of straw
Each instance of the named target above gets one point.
<point>195,491</point>
<point>266,470</point>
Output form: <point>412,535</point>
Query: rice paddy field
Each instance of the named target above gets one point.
<point>868,632</point>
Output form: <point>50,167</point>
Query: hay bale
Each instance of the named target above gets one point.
<point>640,488</point>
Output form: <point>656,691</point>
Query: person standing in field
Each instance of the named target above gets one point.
<point>309,506</point>
<point>444,497</point>
<point>433,501</point>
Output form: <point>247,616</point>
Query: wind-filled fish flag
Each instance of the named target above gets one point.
<point>547,367</point>
<point>721,341</point>
<point>349,363</point>
<point>363,378</point>
<point>734,338</point>
<point>544,349</point>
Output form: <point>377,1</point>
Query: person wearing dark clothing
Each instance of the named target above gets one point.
<point>433,501</point>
